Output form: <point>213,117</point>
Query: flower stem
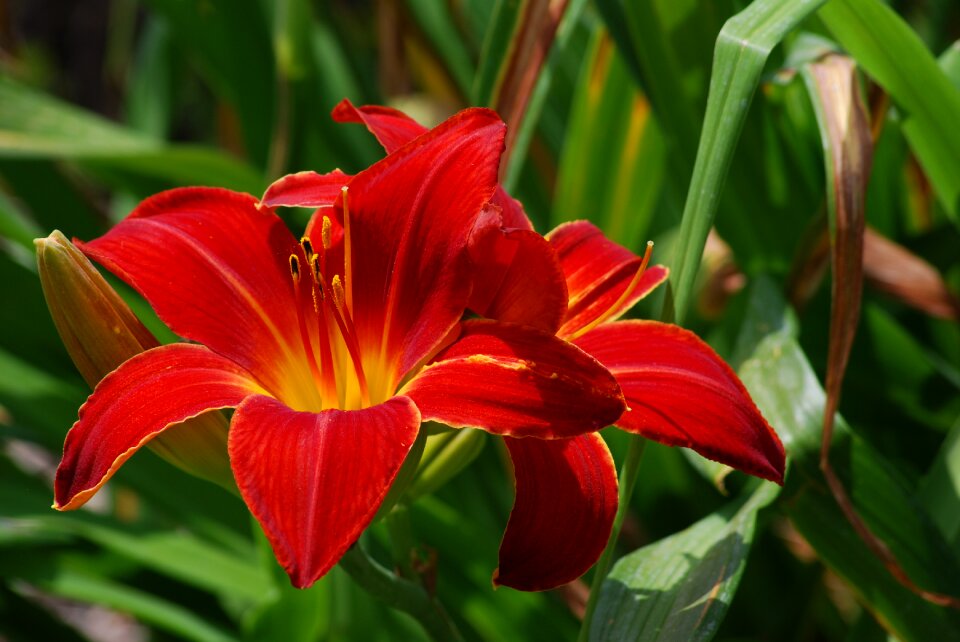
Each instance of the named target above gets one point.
<point>401,540</point>
<point>628,480</point>
<point>399,593</point>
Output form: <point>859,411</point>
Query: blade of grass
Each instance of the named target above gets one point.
<point>434,19</point>
<point>498,45</point>
<point>34,125</point>
<point>940,489</point>
<point>230,42</point>
<point>613,154</point>
<point>165,615</point>
<point>742,49</point>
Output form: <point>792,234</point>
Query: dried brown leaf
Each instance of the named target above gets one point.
<point>898,272</point>
<point>849,145</point>
<point>532,41</point>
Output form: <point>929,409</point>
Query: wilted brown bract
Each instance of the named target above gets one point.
<point>848,143</point>
<point>895,270</point>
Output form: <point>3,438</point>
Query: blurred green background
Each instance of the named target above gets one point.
<point>615,106</point>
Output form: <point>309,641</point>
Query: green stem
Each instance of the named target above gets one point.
<point>401,540</point>
<point>628,480</point>
<point>399,593</point>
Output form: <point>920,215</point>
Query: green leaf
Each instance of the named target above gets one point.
<point>151,87</point>
<point>179,554</point>
<point>940,489</point>
<point>34,125</point>
<point>89,588</point>
<point>16,228</point>
<point>680,587</point>
<point>786,390</point>
<point>497,44</point>
<point>433,16</point>
<point>950,63</point>
<point>741,53</point>
<point>291,37</point>
<point>641,31</point>
<point>293,615</point>
<point>184,165</point>
<point>887,49</point>
<point>230,41</point>
<point>613,156</point>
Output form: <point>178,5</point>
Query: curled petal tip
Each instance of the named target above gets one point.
<point>681,393</point>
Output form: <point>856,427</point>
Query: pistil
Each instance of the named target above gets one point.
<point>328,299</point>
<point>349,332</point>
<point>631,288</point>
<point>347,252</point>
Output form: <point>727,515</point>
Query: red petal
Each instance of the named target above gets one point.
<point>305,189</point>
<point>513,380</point>
<point>598,272</point>
<point>392,128</point>
<point>563,513</point>
<point>315,481</point>
<point>512,211</point>
<point>143,397</point>
<point>410,217</point>
<point>215,268</point>
<point>517,277</point>
<point>680,393</point>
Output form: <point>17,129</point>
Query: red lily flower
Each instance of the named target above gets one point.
<point>679,391</point>
<point>320,346</point>
<point>577,283</point>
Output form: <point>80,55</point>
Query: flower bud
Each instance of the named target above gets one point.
<point>100,332</point>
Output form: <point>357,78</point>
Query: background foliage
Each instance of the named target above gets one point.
<point>661,119</point>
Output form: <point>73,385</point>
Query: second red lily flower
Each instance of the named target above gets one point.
<point>576,283</point>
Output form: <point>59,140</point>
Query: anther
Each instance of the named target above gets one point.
<point>317,274</point>
<point>325,232</point>
<point>307,247</point>
<point>295,267</point>
<point>337,286</point>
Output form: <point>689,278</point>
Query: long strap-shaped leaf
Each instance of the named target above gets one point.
<point>742,49</point>
<point>743,46</point>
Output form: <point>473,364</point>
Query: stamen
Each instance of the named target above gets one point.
<point>304,334</point>
<point>349,333</point>
<point>631,288</point>
<point>328,379</point>
<point>347,252</point>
